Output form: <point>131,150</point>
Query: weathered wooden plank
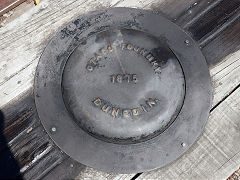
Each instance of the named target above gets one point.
<point>23,134</point>
<point>34,27</point>
<point>93,174</point>
<point>216,154</point>
<point>195,11</point>
<point>67,169</point>
<point>225,77</point>
<point>235,175</point>
<point>227,72</point>
<point>19,79</point>
<point>28,61</point>
<point>214,18</point>
<point>6,5</point>
<point>225,43</point>
<point>223,57</point>
<point>171,9</point>
<point>17,118</point>
<point>46,164</point>
<point>200,20</point>
<point>27,36</point>
<point>215,160</point>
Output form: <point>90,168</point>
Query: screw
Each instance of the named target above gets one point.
<point>54,129</point>
<point>183,144</point>
<point>187,42</point>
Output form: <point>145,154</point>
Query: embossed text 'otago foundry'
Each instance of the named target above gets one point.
<point>94,61</point>
<point>106,106</point>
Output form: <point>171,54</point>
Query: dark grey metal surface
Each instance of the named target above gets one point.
<point>115,93</point>
<point>123,90</point>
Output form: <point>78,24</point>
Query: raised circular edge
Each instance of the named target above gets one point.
<point>109,157</point>
<point>70,96</point>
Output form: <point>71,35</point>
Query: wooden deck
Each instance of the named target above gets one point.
<point>214,24</point>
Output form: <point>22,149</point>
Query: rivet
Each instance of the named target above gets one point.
<point>54,129</point>
<point>187,42</point>
<point>183,144</point>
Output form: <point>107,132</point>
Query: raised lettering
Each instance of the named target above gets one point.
<point>123,46</point>
<point>110,48</point>
<point>151,102</point>
<point>135,112</point>
<point>112,78</point>
<point>154,63</point>
<point>143,108</point>
<point>129,47</point>
<point>143,52</point>
<point>134,78</point>
<point>105,108</point>
<point>157,70</point>
<point>136,49</point>
<point>115,112</point>
<point>126,113</point>
<point>97,102</point>
<point>98,57</point>
<point>150,57</point>
<point>127,77</point>
<point>119,78</point>
<point>103,51</point>
<point>92,61</point>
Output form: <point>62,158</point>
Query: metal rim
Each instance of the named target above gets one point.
<point>120,158</point>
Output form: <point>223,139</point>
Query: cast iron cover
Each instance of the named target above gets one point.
<point>123,90</point>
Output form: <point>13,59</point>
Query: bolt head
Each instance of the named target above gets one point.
<point>183,144</point>
<point>54,129</point>
<point>187,42</point>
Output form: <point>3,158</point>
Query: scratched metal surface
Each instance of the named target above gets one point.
<point>21,123</point>
<point>127,157</point>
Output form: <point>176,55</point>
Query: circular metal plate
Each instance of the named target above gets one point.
<point>123,90</point>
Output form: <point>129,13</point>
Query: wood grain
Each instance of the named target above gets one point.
<point>225,43</point>
<point>213,19</point>
<point>29,35</point>
<point>22,42</point>
<point>27,140</point>
<point>7,5</point>
<point>216,154</point>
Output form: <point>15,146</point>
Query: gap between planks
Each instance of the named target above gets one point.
<point>23,80</point>
<point>216,154</point>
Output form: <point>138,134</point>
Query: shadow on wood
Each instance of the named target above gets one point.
<point>9,167</point>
